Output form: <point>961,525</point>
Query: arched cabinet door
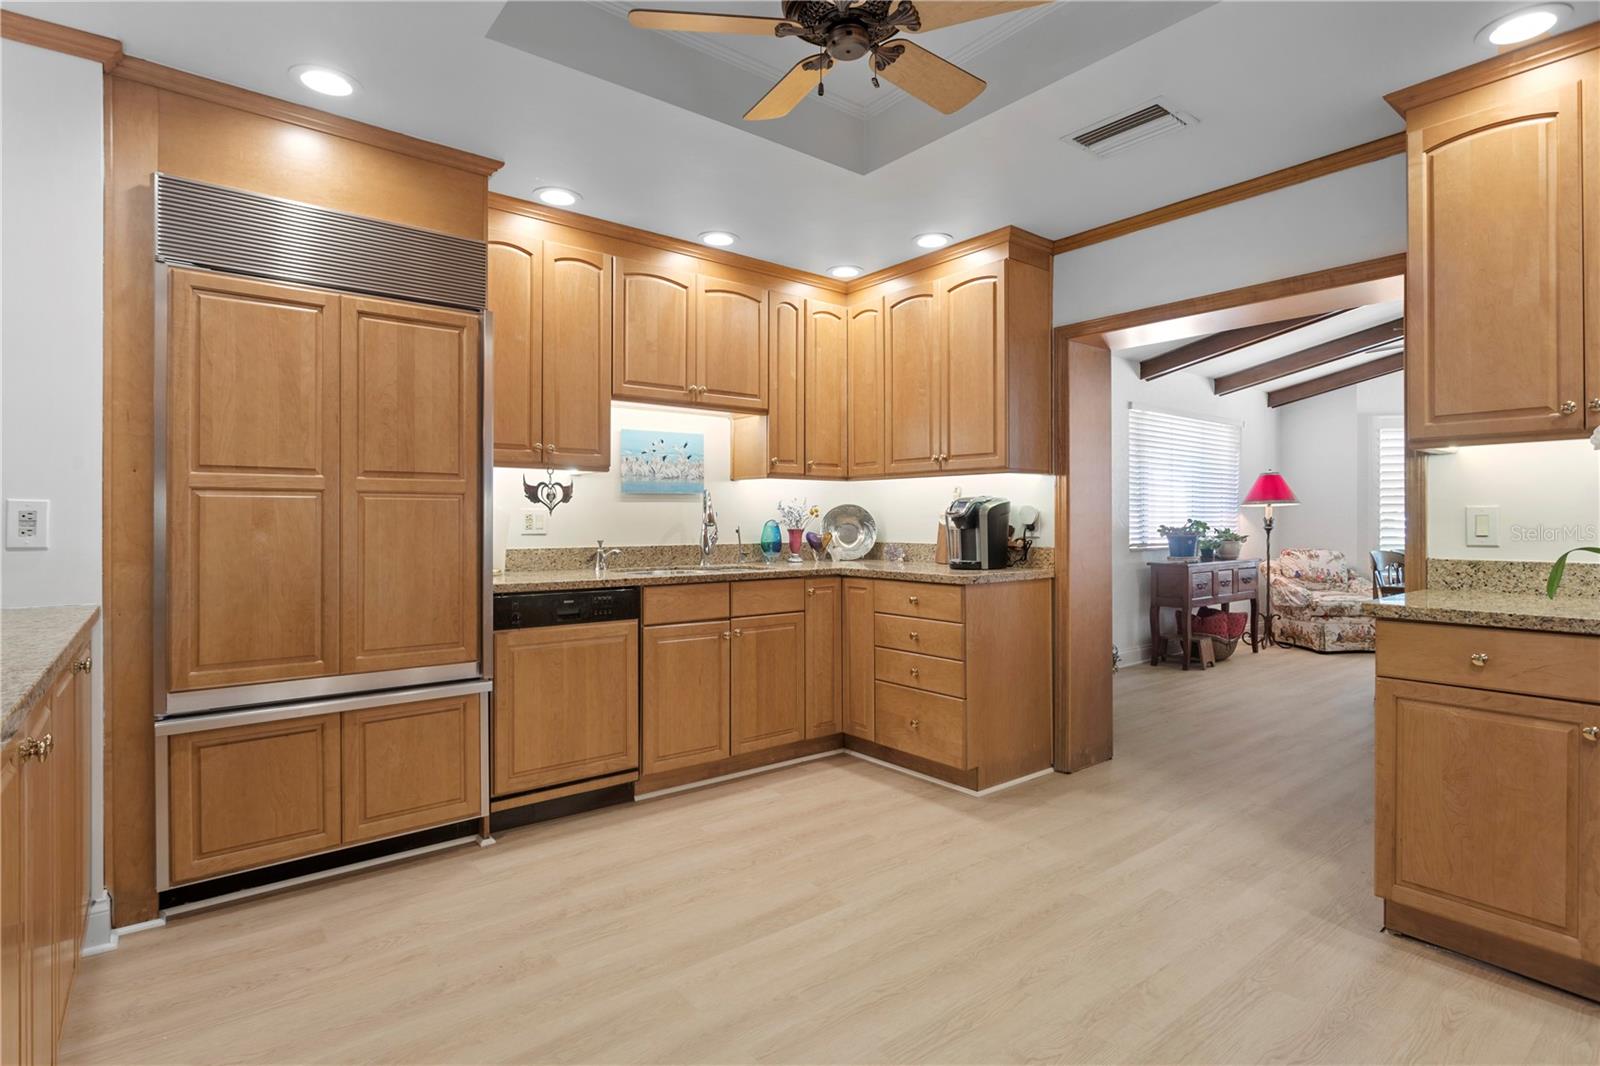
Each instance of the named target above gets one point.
<point>973,387</point>
<point>515,300</point>
<point>864,390</point>
<point>577,357</point>
<point>730,344</point>
<point>653,328</point>
<point>786,431</point>
<point>912,362</point>
<point>826,376</point>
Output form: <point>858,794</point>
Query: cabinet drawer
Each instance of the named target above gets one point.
<point>1201,586</point>
<point>669,604</point>
<point>921,723</point>
<point>1558,665</point>
<point>1246,578</point>
<point>774,596</point>
<point>922,671</point>
<point>944,639</point>
<point>1224,582</point>
<point>916,599</point>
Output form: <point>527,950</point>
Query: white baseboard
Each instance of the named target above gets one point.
<point>98,936</point>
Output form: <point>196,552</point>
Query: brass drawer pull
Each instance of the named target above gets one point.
<point>911,600</point>
<point>915,672</point>
<point>915,635</point>
<point>1591,733</point>
<point>1479,658</point>
<point>915,723</point>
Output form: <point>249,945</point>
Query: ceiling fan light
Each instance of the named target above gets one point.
<point>1522,25</point>
<point>556,196</point>
<point>933,240</point>
<point>718,238</point>
<point>844,271</point>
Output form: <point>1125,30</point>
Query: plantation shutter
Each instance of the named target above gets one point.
<point>1392,488</point>
<point>1179,467</point>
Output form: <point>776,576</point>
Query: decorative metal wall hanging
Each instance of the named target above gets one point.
<point>549,492</point>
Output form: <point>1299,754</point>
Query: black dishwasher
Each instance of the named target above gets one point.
<point>532,610</point>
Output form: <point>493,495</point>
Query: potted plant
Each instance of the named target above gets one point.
<point>1229,542</point>
<point>1208,549</point>
<point>1183,541</point>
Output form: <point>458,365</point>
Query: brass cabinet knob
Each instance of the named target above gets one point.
<point>915,672</point>
<point>549,447</point>
<point>1594,405</point>
<point>738,632</point>
<point>1591,733</point>
<point>1569,407</point>
<point>1478,658</point>
<point>29,748</point>
<point>915,723</point>
<point>810,463</point>
<point>911,600</point>
<point>726,635</point>
<point>811,592</point>
<point>83,665</point>
<point>774,460</point>
<point>914,635</point>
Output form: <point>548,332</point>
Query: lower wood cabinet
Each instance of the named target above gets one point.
<point>566,704</point>
<point>686,693</point>
<point>768,679</point>
<point>244,796</point>
<point>857,698</point>
<point>44,891</point>
<point>824,657</point>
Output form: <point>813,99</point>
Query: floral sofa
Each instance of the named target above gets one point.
<point>1317,599</point>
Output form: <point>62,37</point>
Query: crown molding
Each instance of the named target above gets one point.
<point>26,29</point>
<point>950,252</point>
<point>1505,65</point>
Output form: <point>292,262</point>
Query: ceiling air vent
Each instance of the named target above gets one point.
<point>1130,128</point>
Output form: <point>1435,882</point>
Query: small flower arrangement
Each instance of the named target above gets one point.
<point>795,514</point>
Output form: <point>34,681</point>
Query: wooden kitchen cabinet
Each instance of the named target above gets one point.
<point>858,654</point>
<point>516,300</point>
<point>913,359</point>
<point>685,701</point>
<point>653,355</point>
<point>253,459</point>
<point>785,437</point>
<point>972,392</point>
<point>409,766</point>
<point>1504,253</point>
<point>768,681</point>
<point>412,511</point>
<point>826,375</point>
<point>39,909</point>
<point>824,644</point>
<point>577,357</point>
<point>864,391</point>
<point>730,344</point>
<point>566,704</point>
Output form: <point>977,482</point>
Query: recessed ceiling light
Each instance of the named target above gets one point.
<point>718,238</point>
<point>1522,25</point>
<point>843,271</point>
<point>324,80</point>
<point>933,240</point>
<point>556,196</point>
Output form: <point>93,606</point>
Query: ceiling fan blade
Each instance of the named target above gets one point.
<point>937,82</point>
<point>705,22</point>
<point>791,88</point>
<point>937,14</point>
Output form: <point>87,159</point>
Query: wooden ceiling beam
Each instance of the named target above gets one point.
<point>1339,379</point>
<point>1314,356</point>
<point>1196,352</point>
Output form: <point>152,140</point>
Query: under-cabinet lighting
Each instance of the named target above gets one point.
<point>324,80</point>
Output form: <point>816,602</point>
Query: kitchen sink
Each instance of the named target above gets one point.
<point>683,571</point>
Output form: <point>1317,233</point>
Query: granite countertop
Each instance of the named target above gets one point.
<point>35,643</point>
<point>1498,610</point>
<point>617,577</point>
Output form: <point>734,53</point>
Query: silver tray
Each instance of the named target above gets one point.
<point>854,531</point>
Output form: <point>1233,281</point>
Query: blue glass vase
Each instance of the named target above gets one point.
<point>771,540</point>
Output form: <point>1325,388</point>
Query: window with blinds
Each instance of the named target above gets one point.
<point>1392,488</point>
<point>1179,467</point>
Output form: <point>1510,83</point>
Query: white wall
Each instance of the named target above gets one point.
<point>906,510</point>
<point>1548,494</point>
<point>51,209</point>
<point>1258,449</point>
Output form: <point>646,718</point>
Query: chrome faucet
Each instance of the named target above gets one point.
<point>602,556</point>
<point>708,529</point>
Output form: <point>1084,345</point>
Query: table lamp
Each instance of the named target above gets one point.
<point>1269,491</point>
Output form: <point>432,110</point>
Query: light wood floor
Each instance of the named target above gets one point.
<point>1204,897</point>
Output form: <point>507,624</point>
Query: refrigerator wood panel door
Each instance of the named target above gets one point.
<point>253,476</point>
<point>411,573</point>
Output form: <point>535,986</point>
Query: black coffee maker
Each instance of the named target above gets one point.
<point>975,530</point>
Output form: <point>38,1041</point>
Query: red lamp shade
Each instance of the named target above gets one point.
<point>1270,488</point>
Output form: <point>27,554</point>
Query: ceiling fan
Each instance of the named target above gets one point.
<point>847,30</point>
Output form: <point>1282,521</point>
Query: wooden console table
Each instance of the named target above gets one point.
<point>1183,586</point>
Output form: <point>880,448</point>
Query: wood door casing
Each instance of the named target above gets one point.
<point>972,389</point>
<point>412,520</point>
<point>1488,812</point>
<point>768,681</point>
<point>566,704</point>
<point>253,476</point>
<point>249,795</point>
<point>516,290</point>
<point>864,391</point>
<point>684,706</point>
<point>857,612</point>
<point>731,357</point>
<point>826,377</point>
<point>410,766</point>
<point>1495,301</point>
<point>824,657</point>
<point>576,313</point>
<point>786,414</point>
<point>912,362</point>
<point>653,332</point>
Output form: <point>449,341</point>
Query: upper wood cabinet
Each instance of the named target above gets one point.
<point>576,319</point>
<point>786,414</point>
<point>826,375</point>
<point>412,514</point>
<point>253,467</point>
<point>653,325</point>
<point>730,344</point>
<point>515,301</point>
<point>864,391</point>
<point>1502,251</point>
<point>913,363</point>
<point>972,392</point>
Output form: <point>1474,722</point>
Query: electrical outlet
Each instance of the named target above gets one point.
<point>1483,526</point>
<point>535,523</point>
<point>28,524</point>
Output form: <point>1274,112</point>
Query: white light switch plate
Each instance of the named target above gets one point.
<point>1483,526</point>
<point>535,522</point>
<point>28,524</point>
